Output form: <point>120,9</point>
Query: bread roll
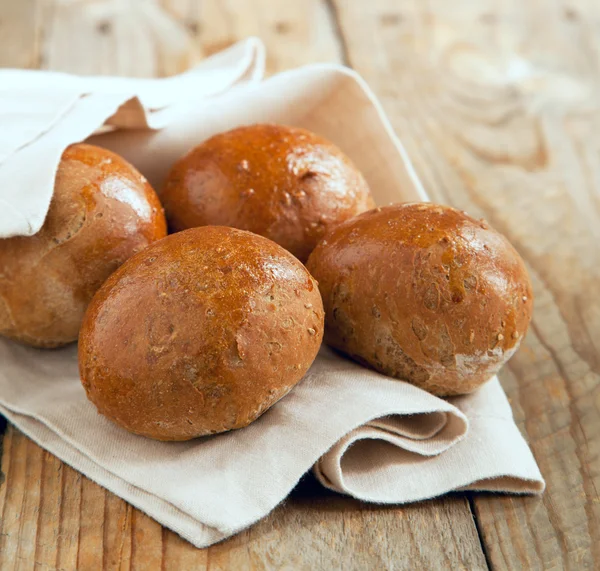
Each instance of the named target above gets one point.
<point>102,212</point>
<point>284,183</point>
<point>423,293</point>
<point>200,333</point>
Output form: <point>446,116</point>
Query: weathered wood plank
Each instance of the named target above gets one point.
<point>136,38</point>
<point>497,103</point>
<point>295,33</point>
<point>313,529</point>
<point>19,44</point>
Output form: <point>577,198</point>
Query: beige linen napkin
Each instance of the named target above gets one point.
<point>43,112</point>
<point>364,434</point>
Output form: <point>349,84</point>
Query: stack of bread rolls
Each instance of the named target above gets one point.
<point>203,330</point>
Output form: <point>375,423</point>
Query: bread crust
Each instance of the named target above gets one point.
<point>424,293</point>
<point>285,183</point>
<point>200,333</point>
<point>102,212</point>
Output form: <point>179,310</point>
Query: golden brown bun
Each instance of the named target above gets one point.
<point>287,184</point>
<point>200,333</point>
<point>102,212</point>
<point>423,293</point>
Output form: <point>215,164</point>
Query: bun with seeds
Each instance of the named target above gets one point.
<point>200,333</point>
<point>285,183</point>
<point>424,293</point>
<point>102,212</point>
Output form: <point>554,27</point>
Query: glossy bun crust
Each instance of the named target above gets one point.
<point>200,333</point>
<point>284,183</point>
<point>102,212</point>
<point>423,293</point>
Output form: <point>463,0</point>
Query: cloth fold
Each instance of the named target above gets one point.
<point>42,112</point>
<point>363,434</point>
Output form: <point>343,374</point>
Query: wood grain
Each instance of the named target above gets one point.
<point>54,518</point>
<point>19,44</point>
<point>498,105</point>
<point>295,33</point>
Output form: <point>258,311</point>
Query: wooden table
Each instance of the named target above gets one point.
<point>498,104</point>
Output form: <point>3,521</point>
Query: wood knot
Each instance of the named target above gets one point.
<point>104,27</point>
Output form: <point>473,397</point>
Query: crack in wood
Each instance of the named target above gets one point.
<point>2,432</point>
<point>337,30</point>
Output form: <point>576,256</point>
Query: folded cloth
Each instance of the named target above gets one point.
<point>364,434</point>
<point>42,112</point>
